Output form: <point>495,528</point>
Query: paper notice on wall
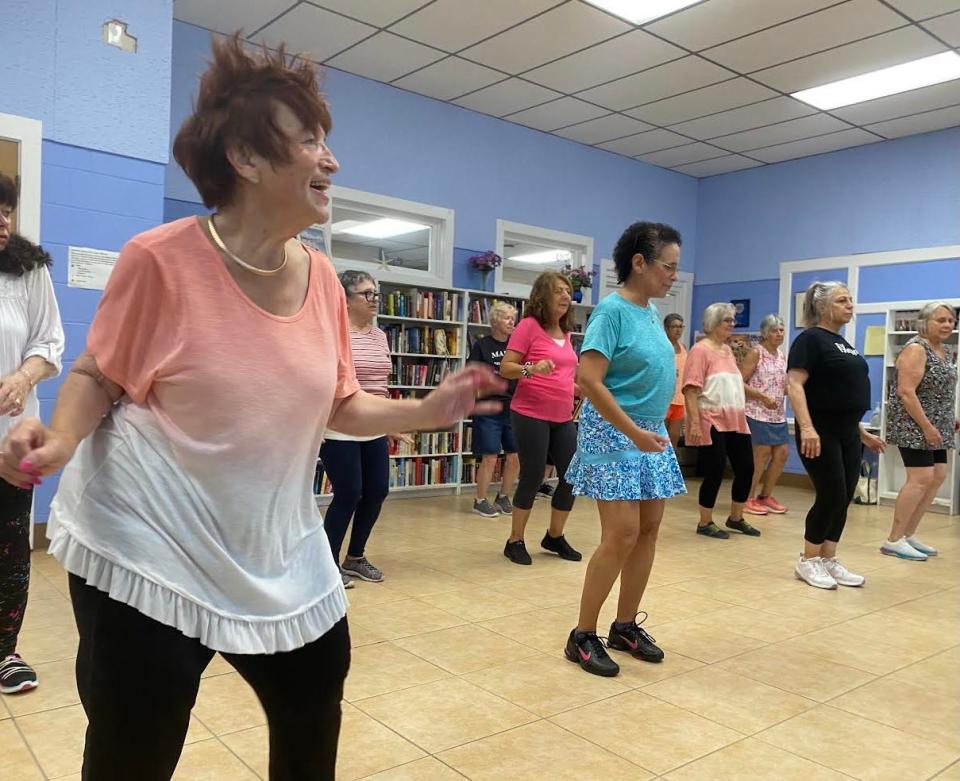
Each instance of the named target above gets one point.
<point>875,340</point>
<point>89,268</point>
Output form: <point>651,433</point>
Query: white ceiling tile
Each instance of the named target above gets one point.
<point>835,26</point>
<point>248,17</point>
<point>563,30</point>
<point>314,32</point>
<point>376,12</point>
<point>606,61</point>
<point>718,21</point>
<point>814,146</point>
<point>385,57</point>
<point>449,78</point>
<point>719,165</point>
<point>744,118</point>
<point>651,141</point>
<point>663,81</point>
<point>506,97</point>
<point>793,130</point>
<point>946,27</point>
<point>556,114</point>
<point>924,9</point>
<point>596,131</point>
<point>919,123</point>
<point>700,102</point>
<point>893,106</point>
<point>881,51</point>
<point>680,155</point>
<point>455,24</point>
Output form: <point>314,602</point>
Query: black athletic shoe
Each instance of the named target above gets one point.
<point>743,527</point>
<point>560,546</point>
<point>586,649</point>
<point>517,552</point>
<point>712,530</point>
<point>16,675</point>
<point>545,491</point>
<point>635,640</point>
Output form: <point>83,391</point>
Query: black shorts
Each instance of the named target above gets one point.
<point>912,458</point>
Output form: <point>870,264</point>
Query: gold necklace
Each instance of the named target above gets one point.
<point>263,272</point>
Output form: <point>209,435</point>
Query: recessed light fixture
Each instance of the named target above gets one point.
<point>641,11</point>
<point>384,228</point>
<point>887,81</point>
<point>547,256</point>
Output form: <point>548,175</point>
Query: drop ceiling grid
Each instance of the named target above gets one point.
<point>389,18</point>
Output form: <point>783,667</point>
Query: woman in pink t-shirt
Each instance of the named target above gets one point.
<point>540,356</point>
<point>217,358</point>
<point>716,422</point>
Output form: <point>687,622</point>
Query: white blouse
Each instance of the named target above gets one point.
<point>29,325</point>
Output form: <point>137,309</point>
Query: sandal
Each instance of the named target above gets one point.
<point>743,527</point>
<point>712,530</point>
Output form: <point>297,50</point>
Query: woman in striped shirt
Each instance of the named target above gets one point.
<point>359,467</point>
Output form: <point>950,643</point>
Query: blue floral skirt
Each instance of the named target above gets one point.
<point>608,466</point>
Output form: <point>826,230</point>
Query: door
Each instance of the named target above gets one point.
<point>20,140</point>
<point>679,300</point>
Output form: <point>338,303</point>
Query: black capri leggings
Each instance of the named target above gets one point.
<point>535,440</point>
<point>834,474</point>
<point>713,460</point>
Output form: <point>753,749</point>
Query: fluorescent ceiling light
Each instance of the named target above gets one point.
<point>641,11</point>
<point>385,228</point>
<point>548,256</point>
<point>887,81</point>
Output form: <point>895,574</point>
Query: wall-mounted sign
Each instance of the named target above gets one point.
<point>742,305</point>
<point>89,268</point>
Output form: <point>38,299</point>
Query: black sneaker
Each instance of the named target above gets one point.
<point>16,675</point>
<point>712,530</point>
<point>586,649</point>
<point>517,552</point>
<point>743,527</point>
<point>545,491</point>
<point>635,640</point>
<point>560,546</point>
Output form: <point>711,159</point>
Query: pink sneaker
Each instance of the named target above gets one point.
<point>771,504</point>
<point>754,507</point>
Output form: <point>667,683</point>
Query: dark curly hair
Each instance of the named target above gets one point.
<point>20,255</point>
<point>642,238</point>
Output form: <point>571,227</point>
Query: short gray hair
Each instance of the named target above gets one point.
<point>714,314</point>
<point>923,317</point>
<point>770,322</point>
<point>816,299</point>
<point>672,318</point>
<point>350,279</point>
<point>501,310</point>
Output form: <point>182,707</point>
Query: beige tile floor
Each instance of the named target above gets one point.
<point>458,671</point>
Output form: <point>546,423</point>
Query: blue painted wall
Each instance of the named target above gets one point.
<point>397,143</point>
<point>85,92</point>
<point>763,294</point>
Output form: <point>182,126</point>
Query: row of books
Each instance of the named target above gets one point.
<point>426,304</point>
<point>468,473</point>
<point>480,309</point>
<point>422,471</point>
<point>421,373</point>
<point>427,444</point>
<point>423,339</point>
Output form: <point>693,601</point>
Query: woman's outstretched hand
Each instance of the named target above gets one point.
<point>456,397</point>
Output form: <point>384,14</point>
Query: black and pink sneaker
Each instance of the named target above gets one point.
<point>635,640</point>
<point>586,649</point>
<point>16,675</point>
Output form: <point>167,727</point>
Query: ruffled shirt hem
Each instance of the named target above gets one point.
<point>215,631</point>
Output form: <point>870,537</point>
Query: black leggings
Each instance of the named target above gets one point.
<point>535,440</point>
<point>713,460</point>
<point>138,680</point>
<point>360,475</point>
<point>834,474</point>
<point>14,562</point>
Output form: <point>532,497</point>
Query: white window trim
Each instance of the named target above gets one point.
<point>441,250</point>
<point>29,134</point>
<point>853,264</point>
<point>533,233</point>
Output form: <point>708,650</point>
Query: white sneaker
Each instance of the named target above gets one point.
<point>914,543</point>
<point>812,572</point>
<point>841,574</point>
<point>902,550</point>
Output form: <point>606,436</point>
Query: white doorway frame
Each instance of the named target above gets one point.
<point>28,133</point>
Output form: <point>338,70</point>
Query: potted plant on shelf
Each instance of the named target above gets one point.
<point>485,263</point>
<point>580,277</point>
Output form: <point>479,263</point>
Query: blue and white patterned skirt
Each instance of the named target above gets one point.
<point>608,465</point>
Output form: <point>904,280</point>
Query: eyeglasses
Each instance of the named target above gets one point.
<point>730,320</point>
<point>671,268</point>
<point>369,295</point>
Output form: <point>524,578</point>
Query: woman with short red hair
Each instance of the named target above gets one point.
<point>217,358</point>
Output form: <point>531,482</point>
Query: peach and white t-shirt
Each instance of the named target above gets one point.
<point>192,501</point>
<point>722,400</point>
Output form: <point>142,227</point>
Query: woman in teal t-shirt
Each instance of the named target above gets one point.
<point>624,459</point>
